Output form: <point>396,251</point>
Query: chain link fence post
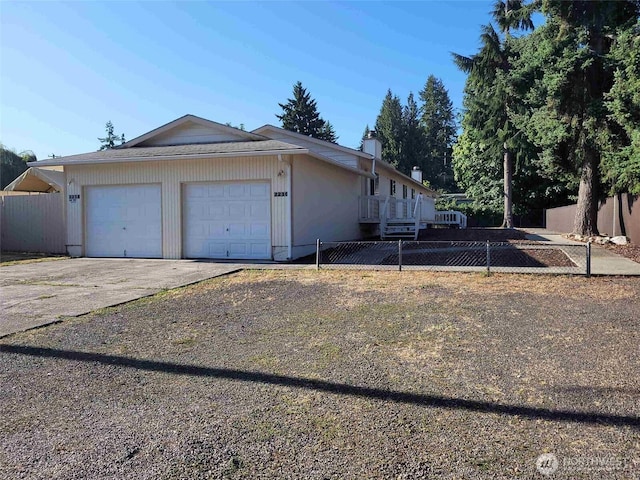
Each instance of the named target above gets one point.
<point>399,255</point>
<point>318,254</point>
<point>588,266</point>
<point>488,258</point>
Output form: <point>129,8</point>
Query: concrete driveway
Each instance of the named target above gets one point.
<point>37,294</point>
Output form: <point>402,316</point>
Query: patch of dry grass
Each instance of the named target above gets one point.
<point>15,258</point>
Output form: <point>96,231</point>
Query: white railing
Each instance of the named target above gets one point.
<point>370,208</point>
<point>376,208</point>
<point>451,217</point>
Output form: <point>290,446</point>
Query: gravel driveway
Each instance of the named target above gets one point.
<point>287,374</point>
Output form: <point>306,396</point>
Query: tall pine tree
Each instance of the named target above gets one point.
<point>389,129</point>
<point>300,114</point>
<point>569,73</point>
<point>111,139</point>
<point>488,74</point>
<point>412,138</point>
<point>437,122</point>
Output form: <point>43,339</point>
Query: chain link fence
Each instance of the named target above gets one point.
<point>517,257</point>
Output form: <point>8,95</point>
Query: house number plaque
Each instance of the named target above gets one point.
<point>74,198</point>
<point>280,194</point>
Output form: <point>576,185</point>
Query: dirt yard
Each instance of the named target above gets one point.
<point>323,375</point>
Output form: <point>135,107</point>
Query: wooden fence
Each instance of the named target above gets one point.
<point>619,215</point>
<point>32,223</point>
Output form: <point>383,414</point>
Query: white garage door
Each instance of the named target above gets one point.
<point>123,221</point>
<point>227,220</point>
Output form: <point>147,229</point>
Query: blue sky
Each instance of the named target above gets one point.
<point>67,68</point>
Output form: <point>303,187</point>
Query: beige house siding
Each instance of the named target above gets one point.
<point>325,204</point>
<point>171,175</point>
<point>191,133</point>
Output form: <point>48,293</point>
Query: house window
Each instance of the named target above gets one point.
<point>413,193</point>
<point>374,185</point>
<point>404,191</point>
<point>392,187</point>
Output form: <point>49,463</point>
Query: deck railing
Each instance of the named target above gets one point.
<point>451,217</point>
<point>370,208</point>
<point>376,208</point>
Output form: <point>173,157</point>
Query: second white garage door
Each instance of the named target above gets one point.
<point>227,220</point>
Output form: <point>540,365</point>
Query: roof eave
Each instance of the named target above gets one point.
<point>335,163</point>
<point>62,162</point>
<point>184,119</point>
<point>313,140</point>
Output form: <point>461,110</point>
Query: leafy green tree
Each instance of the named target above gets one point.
<point>110,140</point>
<point>489,77</point>
<point>300,114</point>
<point>13,164</point>
<point>439,133</point>
<point>566,74</point>
<point>389,129</point>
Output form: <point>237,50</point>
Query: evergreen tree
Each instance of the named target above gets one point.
<point>328,133</point>
<point>389,129</point>
<point>567,73</point>
<point>412,138</point>
<point>489,76</point>
<point>439,133</point>
<point>622,162</point>
<point>110,140</point>
<point>364,135</point>
<point>300,114</point>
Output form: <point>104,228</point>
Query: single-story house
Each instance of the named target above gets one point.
<point>195,188</point>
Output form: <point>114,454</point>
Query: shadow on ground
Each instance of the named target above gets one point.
<point>328,387</point>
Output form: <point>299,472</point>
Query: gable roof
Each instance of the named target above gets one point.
<point>268,127</point>
<point>38,180</point>
<point>198,150</point>
<point>191,119</point>
<point>380,163</point>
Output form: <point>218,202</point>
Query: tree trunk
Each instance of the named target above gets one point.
<point>586,220</point>
<point>507,221</point>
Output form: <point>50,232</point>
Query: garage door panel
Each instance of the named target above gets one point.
<point>260,190</point>
<point>215,191</point>
<point>237,230</point>
<point>215,250</point>
<point>237,191</point>
<point>237,210</point>
<point>259,231</point>
<point>258,250</point>
<point>123,221</point>
<point>214,229</point>
<point>258,210</point>
<point>237,217</point>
